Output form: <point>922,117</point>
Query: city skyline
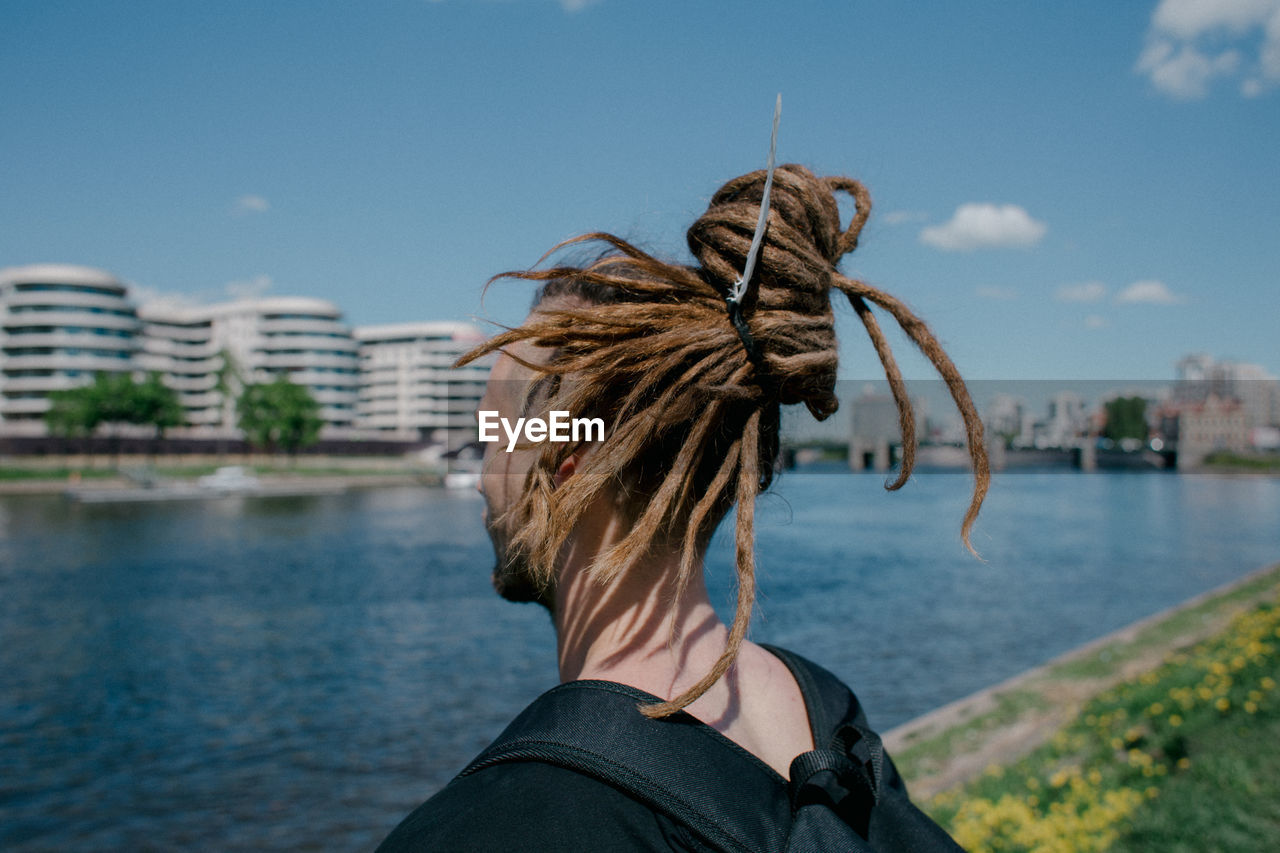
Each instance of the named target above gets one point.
<point>1072,193</point>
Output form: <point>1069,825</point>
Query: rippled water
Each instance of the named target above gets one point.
<point>298,673</point>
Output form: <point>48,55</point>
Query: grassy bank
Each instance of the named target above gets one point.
<point>28,477</point>
<point>1244,462</point>
<point>1006,722</point>
<point>1180,757</point>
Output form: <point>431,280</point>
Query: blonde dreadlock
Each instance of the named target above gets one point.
<point>694,417</point>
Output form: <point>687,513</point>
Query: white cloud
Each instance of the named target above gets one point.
<point>985,226</point>
<point>1095,321</point>
<point>252,204</point>
<point>1188,19</point>
<point>903,217</point>
<point>1192,42</point>
<point>1089,291</point>
<point>998,294</point>
<point>250,288</point>
<point>1148,292</point>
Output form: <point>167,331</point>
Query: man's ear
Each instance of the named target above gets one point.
<point>567,468</point>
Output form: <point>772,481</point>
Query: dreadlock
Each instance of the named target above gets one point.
<point>648,346</point>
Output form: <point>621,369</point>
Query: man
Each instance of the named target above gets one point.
<point>672,731</point>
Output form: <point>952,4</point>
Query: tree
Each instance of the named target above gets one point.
<point>113,398</point>
<point>1126,418</point>
<point>154,403</point>
<point>73,412</point>
<point>279,413</point>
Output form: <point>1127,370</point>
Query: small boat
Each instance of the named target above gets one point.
<point>461,479</point>
<point>230,478</point>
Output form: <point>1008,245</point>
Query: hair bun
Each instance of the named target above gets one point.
<point>787,304</point>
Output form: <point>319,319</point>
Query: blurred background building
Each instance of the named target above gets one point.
<point>61,324</point>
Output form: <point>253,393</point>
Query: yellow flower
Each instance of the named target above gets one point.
<point>1175,720</point>
<point>1223,704</point>
<point>1184,763</point>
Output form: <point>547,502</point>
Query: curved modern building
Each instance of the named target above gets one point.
<point>59,325</point>
<point>302,338</point>
<point>408,384</point>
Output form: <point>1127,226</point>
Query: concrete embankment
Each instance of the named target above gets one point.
<point>309,481</point>
<point>1000,724</point>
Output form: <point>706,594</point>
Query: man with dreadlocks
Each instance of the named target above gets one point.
<point>670,730</point>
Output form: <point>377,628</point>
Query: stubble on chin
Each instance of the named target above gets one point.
<point>511,576</point>
<point>511,581</point>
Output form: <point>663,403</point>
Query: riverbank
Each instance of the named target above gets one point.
<point>1119,744</point>
<point>336,473</point>
<point>999,725</point>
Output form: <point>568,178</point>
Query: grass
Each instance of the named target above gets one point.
<point>1229,799</point>
<point>1261,462</point>
<point>926,756</point>
<point>928,751</point>
<point>19,473</point>
<point>10,475</point>
<point>1184,751</point>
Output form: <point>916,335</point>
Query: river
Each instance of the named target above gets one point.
<point>297,673</point>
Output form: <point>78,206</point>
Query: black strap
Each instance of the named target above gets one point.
<point>682,768</point>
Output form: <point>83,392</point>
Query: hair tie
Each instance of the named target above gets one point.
<point>733,299</point>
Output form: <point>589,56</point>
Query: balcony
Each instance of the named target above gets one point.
<point>297,362</point>
<point>69,299</point>
<point>183,334</point>
<point>67,340</point>
<point>68,317</point>
<point>24,406</point>
<point>307,377</point>
<point>191,383</point>
<point>275,343</point>
<point>62,361</point>
<point>56,382</point>
<point>318,325</point>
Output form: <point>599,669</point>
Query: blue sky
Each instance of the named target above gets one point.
<point>1084,190</point>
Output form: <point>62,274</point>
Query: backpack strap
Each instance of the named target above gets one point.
<point>681,767</point>
<point>677,766</point>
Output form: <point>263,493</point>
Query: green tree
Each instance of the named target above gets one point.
<point>113,398</point>
<point>73,412</point>
<point>154,403</point>
<point>279,413</point>
<point>110,398</point>
<point>1126,418</point>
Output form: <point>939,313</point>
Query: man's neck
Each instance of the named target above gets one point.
<point>644,630</point>
<point>637,630</point>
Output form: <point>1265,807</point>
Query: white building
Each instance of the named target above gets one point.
<point>1200,375</point>
<point>179,345</point>
<point>59,325</point>
<point>299,337</point>
<point>1067,421</point>
<point>409,386</point>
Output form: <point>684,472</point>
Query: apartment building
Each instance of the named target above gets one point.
<point>207,353</point>
<point>59,325</point>
<point>409,386</point>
